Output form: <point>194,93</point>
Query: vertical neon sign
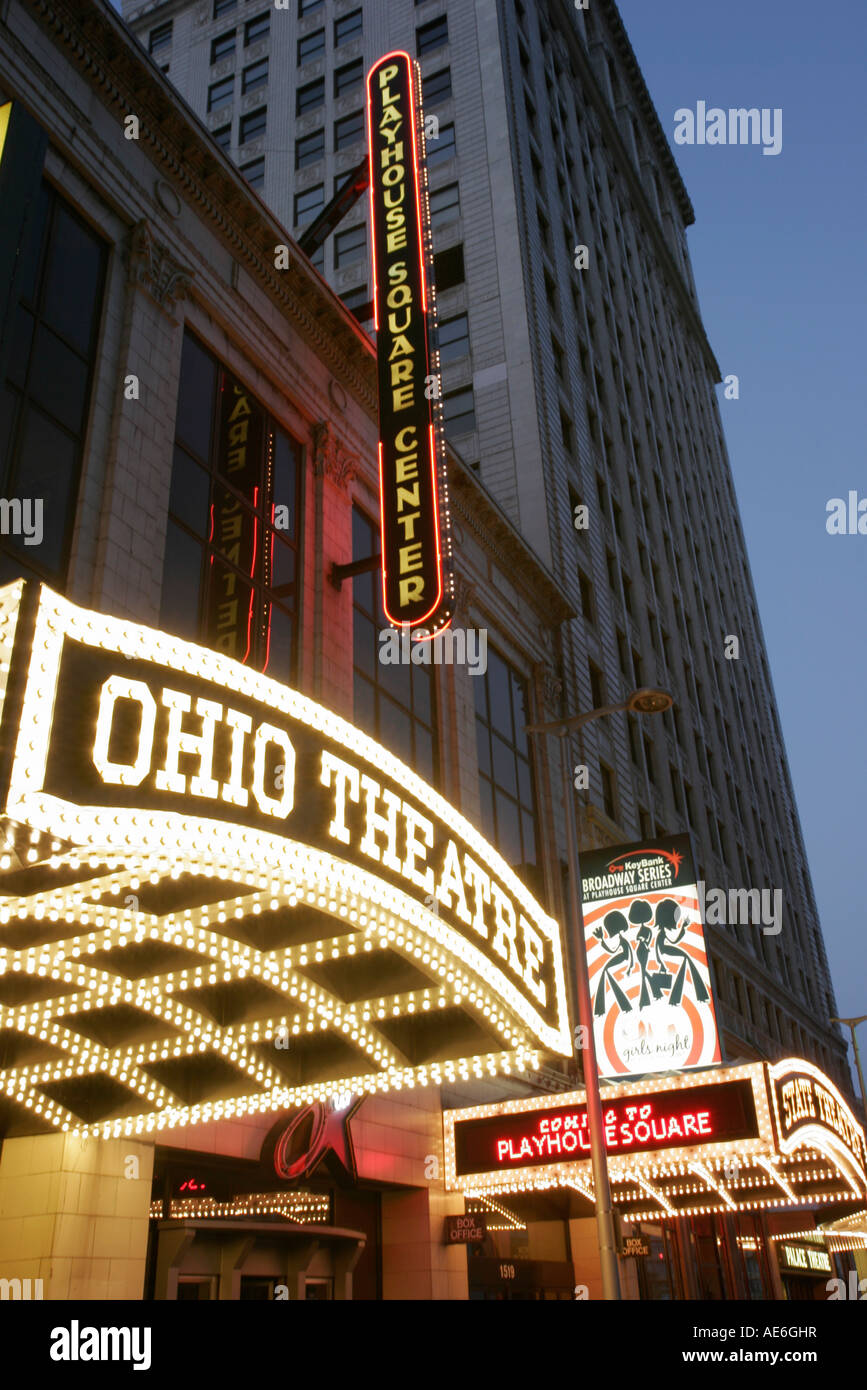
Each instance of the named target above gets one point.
<point>416,541</point>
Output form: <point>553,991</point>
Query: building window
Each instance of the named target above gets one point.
<point>454,338</point>
<point>309,203</point>
<point>449,268</point>
<point>437,87</point>
<point>252,124</point>
<point>431,36</point>
<point>445,205</point>
<point>587,605</point>
<point>310,148</point>
<point>609,800</point>
<point>312,46</point>
<point>223,47</point>
<point>459,412</point>
<point>506,782</point>
<point>221,93</point>
<point>394,701</point>
<point>230,573</point>
<point>254,172</point>
<point>223,136</point>
<point>567,432</point>
<point>347,78</point>
<point>46,398</point>
<point>223,7</point>
<point>160,37</point>
<point>350,246</point>
<point>348,131</point>
<point>256,75</point>
<point>307,98</point>
<point>597,686</point>
<point>358,302</point>
<point>257,28</point>
<point>348,28</point>
<point>308,6</point>
<point>442,148</point>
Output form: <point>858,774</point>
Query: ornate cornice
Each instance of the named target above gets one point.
<point>154,268</point>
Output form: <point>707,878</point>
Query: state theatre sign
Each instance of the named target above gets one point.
<point>219,897</point>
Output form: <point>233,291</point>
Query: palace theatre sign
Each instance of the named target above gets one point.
<point>203,862</point>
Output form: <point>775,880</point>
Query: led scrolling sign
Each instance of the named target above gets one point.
<point>129,743</point>
<point>414,515</point>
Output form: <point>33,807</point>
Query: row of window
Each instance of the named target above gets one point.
<point>251,125</point>
<point>312,46</point>
<point>222,93</point>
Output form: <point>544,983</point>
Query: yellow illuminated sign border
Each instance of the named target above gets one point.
<point>148,840</point>
<point>701,1164</point>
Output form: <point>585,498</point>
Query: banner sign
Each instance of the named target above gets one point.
<point>717,1113</point>
<point>649,978</point>
<point>416,543</point>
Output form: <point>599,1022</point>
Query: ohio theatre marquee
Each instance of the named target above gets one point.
<point>220,897</point>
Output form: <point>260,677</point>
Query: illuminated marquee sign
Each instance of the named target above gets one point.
<point>150,758</point>
<point>416,571</point>
<point>804,1259</point>
<point>808,1107</point>
<point>647,961</point>
<point>633,1124</point>
<point>732,1139</point>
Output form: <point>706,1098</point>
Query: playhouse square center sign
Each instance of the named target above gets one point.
<point>130,739</point>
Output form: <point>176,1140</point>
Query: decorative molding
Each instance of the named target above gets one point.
<point>154,268</point>
<point>464,595</point>
<point>330,457</point>
<point>550,688</point>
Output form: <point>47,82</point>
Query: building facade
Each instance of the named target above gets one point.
<point>585,380</point>
<point>209,1089</point>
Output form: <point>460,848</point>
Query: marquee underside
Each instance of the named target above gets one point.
<point>138,993</point>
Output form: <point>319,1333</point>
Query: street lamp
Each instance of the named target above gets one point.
<point>852,1024</point>
<point>644,701</point>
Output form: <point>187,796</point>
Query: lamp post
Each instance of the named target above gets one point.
<point>852,1024</point>
<point>644,701</point>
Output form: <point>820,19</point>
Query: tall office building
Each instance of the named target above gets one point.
<point>571,377</point>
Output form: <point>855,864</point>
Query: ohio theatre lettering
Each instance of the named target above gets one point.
<point>130,728</point>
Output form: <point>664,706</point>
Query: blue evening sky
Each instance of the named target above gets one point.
<point>778,254</point>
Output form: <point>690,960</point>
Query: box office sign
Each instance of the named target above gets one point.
<point>413,499</point>
<point>647,961</point>
<point>465,1230</point>
<point>137,743</point>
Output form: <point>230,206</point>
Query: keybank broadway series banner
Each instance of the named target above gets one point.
<point>649,979</point>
